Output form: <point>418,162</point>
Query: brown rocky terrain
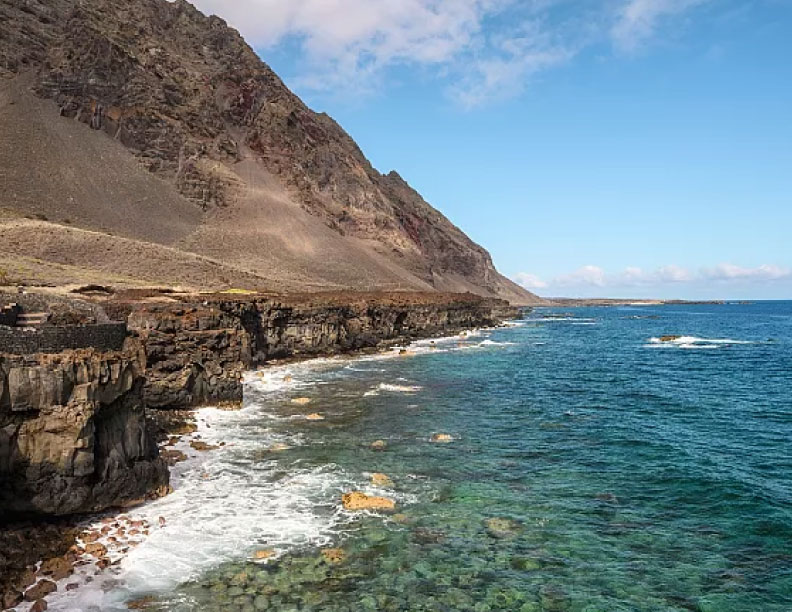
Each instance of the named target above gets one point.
<point>198,350</point>
<point>145,127</point>
<point>72,432</point>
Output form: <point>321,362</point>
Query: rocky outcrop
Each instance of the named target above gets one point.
<point>198,352</point>
<point>72,432</point>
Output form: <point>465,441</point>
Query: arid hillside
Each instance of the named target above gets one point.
<point>143,142</point>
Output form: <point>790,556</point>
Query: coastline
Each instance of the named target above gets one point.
<point>98,542</point>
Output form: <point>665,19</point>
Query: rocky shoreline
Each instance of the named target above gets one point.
<point>79,427</point>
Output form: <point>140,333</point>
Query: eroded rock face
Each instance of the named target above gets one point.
<point>72,432</point>
<point>197,353</point>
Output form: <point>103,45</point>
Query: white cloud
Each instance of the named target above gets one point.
<point>673,274</point>
<point>346,43</point>
<point>481,49</point>
<point>638,20</point>
<point>587,275</point>
<point>633,277</point>
<point>730,272</point>
<point>530,281</point>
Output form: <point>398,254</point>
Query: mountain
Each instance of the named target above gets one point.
<point>144,142</point>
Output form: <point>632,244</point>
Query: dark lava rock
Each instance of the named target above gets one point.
<point>42,589</point>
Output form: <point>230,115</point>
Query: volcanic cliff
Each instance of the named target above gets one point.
<point>144,142</point>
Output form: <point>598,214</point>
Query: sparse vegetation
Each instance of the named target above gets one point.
<point>6,278</point>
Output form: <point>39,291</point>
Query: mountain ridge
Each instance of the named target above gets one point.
<point>245,172</point>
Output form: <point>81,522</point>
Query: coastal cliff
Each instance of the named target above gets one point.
<point>73,435</point>
<point>198,351</point>
<point>72,432</point>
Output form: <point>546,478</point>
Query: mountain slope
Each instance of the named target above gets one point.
<point>228,163</point>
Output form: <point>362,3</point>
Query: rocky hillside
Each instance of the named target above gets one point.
<point>145,119</point>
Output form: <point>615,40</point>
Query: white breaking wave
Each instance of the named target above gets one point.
<point>399,388</point>
<point>493,343</point>
<point>229,502</point>
<point>562,320</point>
<point>694,342</point>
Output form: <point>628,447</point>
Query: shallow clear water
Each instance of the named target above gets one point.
<point>631,474</point>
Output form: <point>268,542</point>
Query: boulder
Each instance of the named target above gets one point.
<point>57,567</point>
<point>40,590</point>
<point>333,555</point>
<point>441,438</point>
<point>356,501</point>
<point>202,446</point>
<point>11,599</point>
<point>96,549</point>
<point>38,606</point>
<point>261,555</point>
<point>379,445</point>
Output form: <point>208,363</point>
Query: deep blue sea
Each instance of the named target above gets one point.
<point>592,468</point>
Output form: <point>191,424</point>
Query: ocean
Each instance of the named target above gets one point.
<point>634,458</point>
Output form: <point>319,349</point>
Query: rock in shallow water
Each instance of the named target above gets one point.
<point>333,555</point>
<point>42,589</point>
<point>499,527</point>
<point>356,500</point>
<point>264,554</point>
<point>381,480</point>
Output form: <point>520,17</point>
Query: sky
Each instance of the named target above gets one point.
<point>616,148</point>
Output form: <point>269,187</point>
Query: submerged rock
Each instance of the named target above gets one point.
<point>202,446</point>
<point>142,604</point>
<point>314,417</point>
<point>301,401</point>
<point>381,480</point>
<point>264,554</point>
<point>173,456</point>
<point>502,527</point>
<point>356,500</point>
<point>379,445</point>
<point>669,338</point>
<point>333,555</point>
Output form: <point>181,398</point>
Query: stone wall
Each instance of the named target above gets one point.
<point>198,352</point>
<point>72,432</point>
<point>63,310</point>
<point>9,314</point>
<point>54,339</point>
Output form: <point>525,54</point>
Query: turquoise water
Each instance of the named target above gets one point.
<point>627,474</point>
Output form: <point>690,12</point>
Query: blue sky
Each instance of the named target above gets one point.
<point>637,148</point>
